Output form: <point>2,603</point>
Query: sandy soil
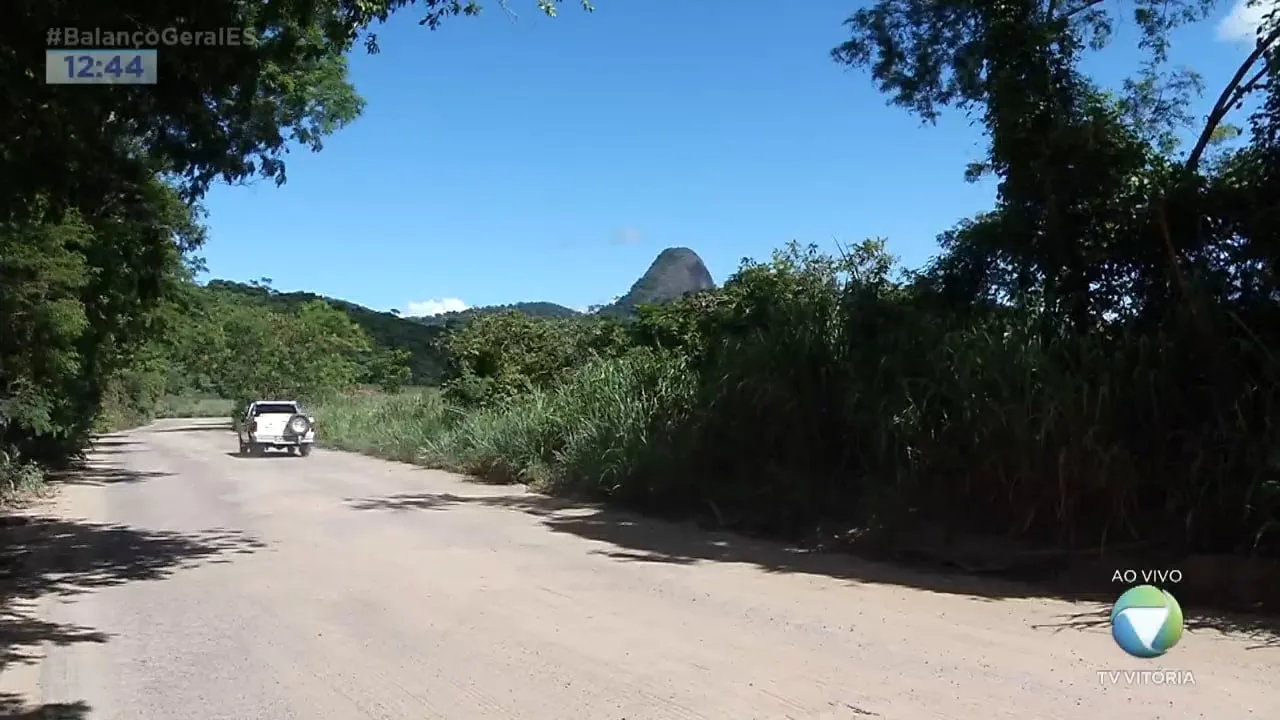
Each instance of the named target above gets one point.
<point>177,581</point>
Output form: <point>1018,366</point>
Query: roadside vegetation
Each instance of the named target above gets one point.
<point>814,390</point>
<point>1090,363</point>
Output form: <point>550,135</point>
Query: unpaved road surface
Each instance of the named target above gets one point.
<point>176,581</point>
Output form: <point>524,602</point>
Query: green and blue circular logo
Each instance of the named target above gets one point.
<point>1146,621</point>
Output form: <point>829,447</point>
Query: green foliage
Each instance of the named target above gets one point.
<point>132,394</point>
<point>19,479</point>
<point>227,115</point>
<point>497,356</point>
<point>43,274</point>
<point>243,348</point>
<point>389,370</point>
<point>82,294</point>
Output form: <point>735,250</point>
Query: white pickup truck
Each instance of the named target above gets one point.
<point>276,424</point>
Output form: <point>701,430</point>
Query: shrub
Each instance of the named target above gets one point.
<point>18,479</point>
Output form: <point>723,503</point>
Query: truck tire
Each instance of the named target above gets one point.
<point>304,450</point>
<point>298,425</point>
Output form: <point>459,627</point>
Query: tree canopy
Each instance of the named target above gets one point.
<point>1098,213</point>
<point>99,218</point>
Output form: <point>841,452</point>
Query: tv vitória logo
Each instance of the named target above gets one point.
<point>1146,621</point>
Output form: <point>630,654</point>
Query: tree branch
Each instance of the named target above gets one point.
<point>1075,10</point>
<point>1233,93</point>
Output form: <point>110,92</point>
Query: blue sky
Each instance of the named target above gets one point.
<point>505,160</point>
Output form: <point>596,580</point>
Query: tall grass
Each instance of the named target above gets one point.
<point>604,430</point>
<point>392,426</point>
<point>829,402</point>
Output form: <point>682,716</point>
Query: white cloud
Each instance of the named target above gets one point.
<point>423,308</point>
<point>1241,24</point>
<point>626,236</point>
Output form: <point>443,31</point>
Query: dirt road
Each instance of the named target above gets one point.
<point>177,581</point>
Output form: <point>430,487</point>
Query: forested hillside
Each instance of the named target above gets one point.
<point>420,342</point>
<point>419,337</point>
<point>532,309</point>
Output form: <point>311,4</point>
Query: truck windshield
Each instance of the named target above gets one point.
<point>273,408</point>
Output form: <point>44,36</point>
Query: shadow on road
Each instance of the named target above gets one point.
<point>97,472</point>
<point>113,451</point>
<point>1262,632</point>
<point>45,556</point>
<point>275,455</point>
<point>210,427</point>
<point>634,538</point>
<point>12,708</point>
<point>21,635</point>
<point>110,443</point>
<point>55,556</point>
